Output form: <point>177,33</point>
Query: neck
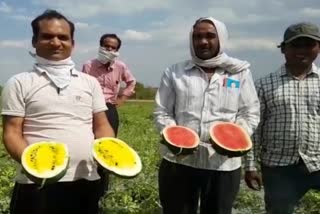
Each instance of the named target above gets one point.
<point>299,71</point>
<point>208,70</point>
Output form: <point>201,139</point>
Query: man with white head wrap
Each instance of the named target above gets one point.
<point>195,93</point>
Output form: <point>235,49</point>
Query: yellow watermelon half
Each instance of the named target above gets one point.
<point>116,156</point>
<point>45,161</point>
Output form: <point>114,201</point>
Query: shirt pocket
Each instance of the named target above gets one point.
<point>82,102</point>
<point>229,99</point>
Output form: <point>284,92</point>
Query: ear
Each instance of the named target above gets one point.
<point>33,41</point>
<point>282,48</point>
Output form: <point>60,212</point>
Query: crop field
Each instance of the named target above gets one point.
<point>139,195</point>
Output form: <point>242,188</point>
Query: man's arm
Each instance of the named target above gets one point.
<point>13,136</point>
<point>165,100</point>
<point>252,178</point>
<point>248,115</point>
<point>128,91</point>
<point>101,126</point>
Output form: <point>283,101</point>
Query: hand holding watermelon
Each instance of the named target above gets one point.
<point>180,140</point>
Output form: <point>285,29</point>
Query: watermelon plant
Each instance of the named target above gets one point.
<point>139,195</point>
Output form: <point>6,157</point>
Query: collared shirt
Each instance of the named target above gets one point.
<point>111,78</point>
<point>290,120</point>
<point>187,97</point>
<point>51,115</point>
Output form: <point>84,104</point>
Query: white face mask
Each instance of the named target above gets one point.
<point>59,72</point>
<point>105,56</point>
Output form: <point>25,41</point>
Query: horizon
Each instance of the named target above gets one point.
<point>155,33</point>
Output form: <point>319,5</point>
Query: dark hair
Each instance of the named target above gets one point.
<point>49,14</point>
<point>112,35</point>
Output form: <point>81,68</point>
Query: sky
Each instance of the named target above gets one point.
<point>155,33</point>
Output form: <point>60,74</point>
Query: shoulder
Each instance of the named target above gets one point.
<point>23,78</point>
<point>180,67</point>
<point>269,80</point>
<point>86,77</point>
<point>120,62</point>
<point>93,63</point>
<point>120,65</point>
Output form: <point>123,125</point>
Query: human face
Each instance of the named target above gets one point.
<point>53,41</point>
<point>110,44</point>
<point>301,52</point>
<point>205,40</point>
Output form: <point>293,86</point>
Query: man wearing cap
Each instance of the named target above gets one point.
<point>287,141</point>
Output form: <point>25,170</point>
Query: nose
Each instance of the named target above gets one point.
<point>203,41</point>
<point>55,41</point>
<point>109,48</point>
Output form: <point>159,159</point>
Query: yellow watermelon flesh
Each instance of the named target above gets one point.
<point>45,160</point>
<point>116,156</point>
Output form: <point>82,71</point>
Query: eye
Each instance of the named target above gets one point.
<point>211,35</point>
<point>207,36</point>
<point>64,37</point>
<point>46,36</point>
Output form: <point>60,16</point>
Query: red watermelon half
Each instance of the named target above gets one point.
<point>180,139</point>
<point>230,139</point>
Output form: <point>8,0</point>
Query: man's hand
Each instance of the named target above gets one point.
<point>253,180</point>
<point>121,100</point>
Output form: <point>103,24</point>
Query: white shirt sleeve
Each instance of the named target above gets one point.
<point>165,100</point>
<point>12,98</point>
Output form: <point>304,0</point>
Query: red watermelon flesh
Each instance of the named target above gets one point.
<point>181,137</point>
<point>230,136</point>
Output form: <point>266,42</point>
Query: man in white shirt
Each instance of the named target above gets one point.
<point>55,102</point>
<point>195,93</point>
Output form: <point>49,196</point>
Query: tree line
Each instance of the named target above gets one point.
<point>143,92</point>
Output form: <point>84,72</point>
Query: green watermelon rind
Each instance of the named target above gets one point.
<point>223,150</point>
<point>179,150</point>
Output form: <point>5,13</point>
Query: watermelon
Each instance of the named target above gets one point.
<point>117,157</point>
<point>229,139</point>
<point>45,162</point>
<point>180,140</point>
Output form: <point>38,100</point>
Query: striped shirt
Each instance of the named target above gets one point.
<point>290,120</point>
<point>187,97</point>
<point>110,79</point>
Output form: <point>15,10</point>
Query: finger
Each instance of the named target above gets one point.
<point>256,184</point>
<point>253,184</point>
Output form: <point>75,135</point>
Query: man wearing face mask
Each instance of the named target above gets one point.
<point>209,87</point>
<point>55,102</point>
<point>110,72</point>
